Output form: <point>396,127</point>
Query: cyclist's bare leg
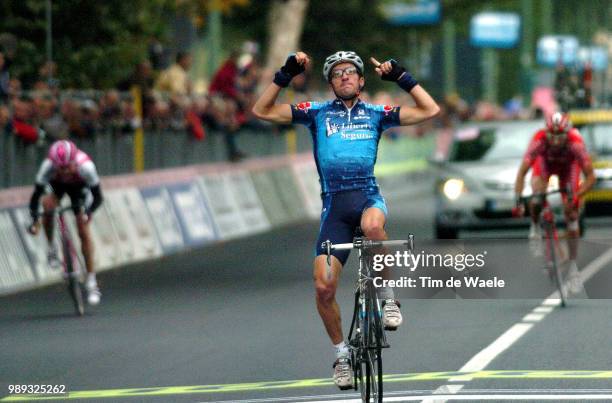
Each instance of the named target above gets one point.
<point>373,227</point>
<point>573,230</point>
<point>326,296</point>
<point>49,203</point>
<point>373,224</point>
<point>538,185</point>
<point>86,243</point>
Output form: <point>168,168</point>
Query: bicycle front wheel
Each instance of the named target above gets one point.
<point>373,353</point>
<point>74,286</point>
<point>374,376</point>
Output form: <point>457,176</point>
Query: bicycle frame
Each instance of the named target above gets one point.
<point>71,264</point>
<point>553,249</point>
<point>553,246</point>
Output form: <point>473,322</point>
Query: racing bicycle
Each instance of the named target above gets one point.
<point>367,335</point>
<point>71,263</point>
<point>554,251</point>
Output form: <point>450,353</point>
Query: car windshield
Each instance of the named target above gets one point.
<point>599,139</point>
<point>489,143</point>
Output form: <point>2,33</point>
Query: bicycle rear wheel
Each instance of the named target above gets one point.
<point>74,285</point>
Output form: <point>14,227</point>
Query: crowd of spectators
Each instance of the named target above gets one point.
<point>45,112</point>
<point>168,100</point>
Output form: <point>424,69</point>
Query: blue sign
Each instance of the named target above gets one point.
<point>595,55</point>
<point>193,213</point>
<point>495,30</point>
<point>159,204</point>
<point>412,12</point>
<point>553,49</point>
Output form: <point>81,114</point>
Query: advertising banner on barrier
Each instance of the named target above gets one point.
<point>146,237</point>
<point>307,179</point>
<point>130,242</point>
<point>224,207</point>
<point>36,247</point>
<point>289,194</point>
<point>108,252</point>
<point>15,269</point>
<point>121,224</point>
<point>249,205</point>
<point>157,200</point>
<point>193,213</point>
<point>268,194</point>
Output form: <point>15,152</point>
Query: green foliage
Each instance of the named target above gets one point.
<point>95,44</point>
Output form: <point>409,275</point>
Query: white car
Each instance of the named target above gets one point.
<point>474,188</point>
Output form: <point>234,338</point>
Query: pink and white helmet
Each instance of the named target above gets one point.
<point>62,153</point>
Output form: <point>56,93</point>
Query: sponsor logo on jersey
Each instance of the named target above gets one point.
<point>304,106</point>
<point>361,115</point>
<point>356,136</point>
<point>333,128</point>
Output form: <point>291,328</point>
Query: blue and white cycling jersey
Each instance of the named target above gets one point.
<point>345,140</point>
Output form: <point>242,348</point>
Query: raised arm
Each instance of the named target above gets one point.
<point>266,107</point>
<point>425,108</point>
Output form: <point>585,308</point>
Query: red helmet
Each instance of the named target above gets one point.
<point>62,153</point>
<point>558,123</point>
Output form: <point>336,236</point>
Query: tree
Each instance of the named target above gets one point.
<point>95,44</point>
<point>285,21</point>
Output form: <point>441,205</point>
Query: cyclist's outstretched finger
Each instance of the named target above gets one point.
<point>302,58</point>
<point>377,65</point>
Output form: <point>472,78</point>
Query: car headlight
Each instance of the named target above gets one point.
<point>453,188</point>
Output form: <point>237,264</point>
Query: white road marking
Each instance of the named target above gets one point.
<point>534,317</point>
<point>518,330</point>
<point>480,397</point>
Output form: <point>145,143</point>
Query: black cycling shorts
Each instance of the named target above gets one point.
<point>341,216</point>
<point>76,191</point>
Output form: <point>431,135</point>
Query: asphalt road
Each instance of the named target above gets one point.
<point>237,322</point>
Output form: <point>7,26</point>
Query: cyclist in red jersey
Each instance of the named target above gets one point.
<point>558,150</point>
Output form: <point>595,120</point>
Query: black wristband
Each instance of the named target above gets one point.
<point>407,82</point>
<point>282,79</point>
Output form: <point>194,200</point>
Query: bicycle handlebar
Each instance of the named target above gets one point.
<point>364,243</point>
<point>531,196</point>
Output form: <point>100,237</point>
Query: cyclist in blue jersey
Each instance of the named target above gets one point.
<point>345,133</point>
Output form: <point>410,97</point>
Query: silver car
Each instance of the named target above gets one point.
<point>474,188</point>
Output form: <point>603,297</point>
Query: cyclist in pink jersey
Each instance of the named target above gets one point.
<point>68,170</point>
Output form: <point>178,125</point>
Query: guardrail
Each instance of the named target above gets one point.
<point>113,151</point>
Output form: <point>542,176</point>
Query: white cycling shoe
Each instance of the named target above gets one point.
<point>343,373</point>
<point>392,317</point>
<point>93,292</point>
<point>574,280</point>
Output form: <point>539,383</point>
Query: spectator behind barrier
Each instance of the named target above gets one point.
<point>175,79</point>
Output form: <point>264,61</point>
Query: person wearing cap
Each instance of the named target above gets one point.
<point>345,133</point>
<point>68,170</point>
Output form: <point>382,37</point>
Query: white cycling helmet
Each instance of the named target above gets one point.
<point>343,56</point>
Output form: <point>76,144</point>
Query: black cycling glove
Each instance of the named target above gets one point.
<point>399,75</point>
<point>292,68</point>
